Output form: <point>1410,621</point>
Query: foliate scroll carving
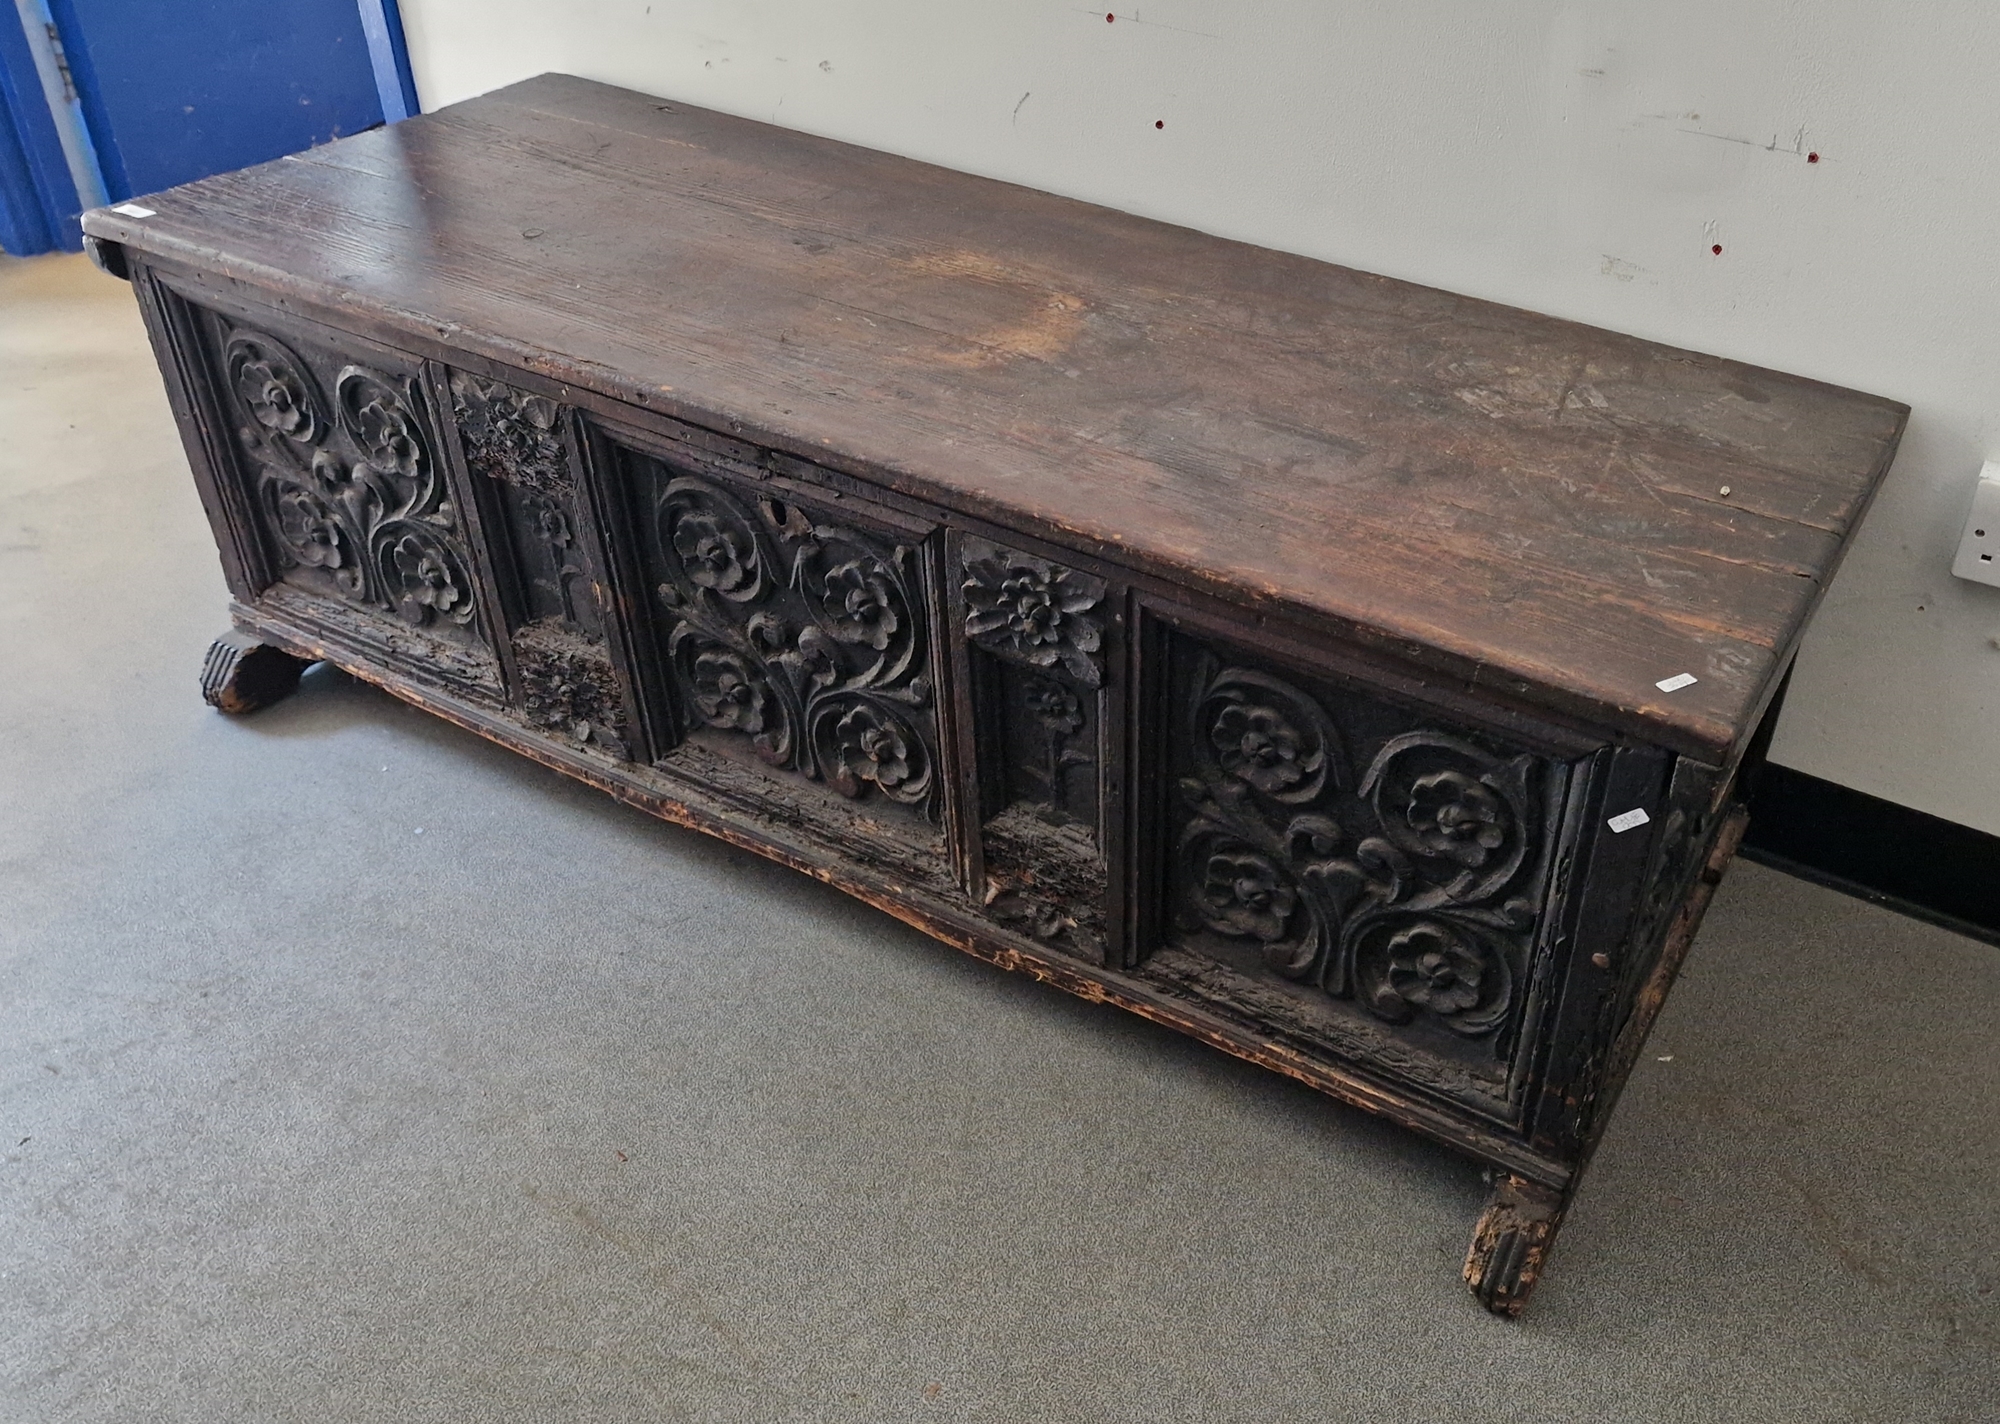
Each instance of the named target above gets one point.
<point>801,638</point>
<point>1400,889</point>
<point>511,436</point>
<point>349,487</point>
<point>1033,611</point>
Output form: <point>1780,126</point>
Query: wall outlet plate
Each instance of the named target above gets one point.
<point>1979,545</point>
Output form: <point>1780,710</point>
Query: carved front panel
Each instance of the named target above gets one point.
<point>796,641</point>
<point>1363,877</point>
<point>514,443</point>
<point>1036,633</point>
<point>338,445</point>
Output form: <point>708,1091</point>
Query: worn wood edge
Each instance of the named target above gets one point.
<point>1706,738</point>
<point>1680,939</point>
<point>242,673</point>
<point>1511,1243</point>
<point>916,908</point>
<point>1517,1229</point>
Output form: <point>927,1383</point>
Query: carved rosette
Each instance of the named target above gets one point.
<point>350,486</point>
<point>1393,891</point>
<point>511,436</point>
<point>802,639</point>
<point>1031,611</point>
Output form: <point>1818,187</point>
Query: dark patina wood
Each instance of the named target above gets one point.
<point>1265,647</point>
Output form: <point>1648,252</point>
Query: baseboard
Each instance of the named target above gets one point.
<point>1933,869</point>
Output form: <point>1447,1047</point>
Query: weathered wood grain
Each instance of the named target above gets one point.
<point>1508,496</point>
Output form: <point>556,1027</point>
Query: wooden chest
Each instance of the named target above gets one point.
<point>1352,675</point>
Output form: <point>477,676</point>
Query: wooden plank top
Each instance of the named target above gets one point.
<point>1517,501</point>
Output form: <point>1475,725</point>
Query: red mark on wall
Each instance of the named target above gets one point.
<point>1812,158</point>
<point>1717,249</point>
<point>1109,18</point>
<point>1159,123</point>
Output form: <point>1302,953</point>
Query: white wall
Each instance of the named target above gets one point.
<point>1579,159</point>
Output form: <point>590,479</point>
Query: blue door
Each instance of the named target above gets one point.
<point>166,91</point>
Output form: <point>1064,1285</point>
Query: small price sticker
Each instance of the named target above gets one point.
<point>1677,682</point>
<point>134,210</point>
<point>1628,820</point>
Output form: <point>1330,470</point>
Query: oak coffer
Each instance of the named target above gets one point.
<point>1358,677</point>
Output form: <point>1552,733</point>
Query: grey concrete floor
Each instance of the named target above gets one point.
<point>353,1069</point>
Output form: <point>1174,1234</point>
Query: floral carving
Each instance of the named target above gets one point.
<point>357,500</point>
<point>1054,706</point>
<point>1045,922</point>
<point>728,693</point>
<point>868,745</point>
<point>387,438</point>
<point>1450,970</point>
<point>276,397</point>
<point>864,603</point>
<point>1392,893</point>
<point>1244,894</point>
<point>1455,816</point>
<point>273,387</point>
<point>1430,969</point>
<point>713,543</point>
<point>1033,611</point>
<point>1257,732</point>
<point>551,522</point>
<point>1257,745</point>
<point>510,435</point>
<point>309,528</point>
<point>798,636</point>
<point>427,579</point>
<point>1456,809</point>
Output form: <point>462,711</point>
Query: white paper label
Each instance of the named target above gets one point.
<point>133,210</point>
<point>1628,820</point>
<point>1677,682</point>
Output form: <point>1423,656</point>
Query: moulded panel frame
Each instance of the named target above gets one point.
<point>173,300</point>
<point>1585,764</point>
<point>751,473</point>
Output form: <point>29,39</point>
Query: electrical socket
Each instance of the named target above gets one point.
<point>1979,545</point>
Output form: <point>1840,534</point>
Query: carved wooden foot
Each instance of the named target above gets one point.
<point>241,674</point>
<point>1510,1243</point>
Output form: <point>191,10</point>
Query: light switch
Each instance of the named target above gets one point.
<point>1979,546</point>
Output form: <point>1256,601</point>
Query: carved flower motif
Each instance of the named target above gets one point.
<point>310,530</point>
<point>1455,816</point>
<point>524,424</point>
<point>276,397</point>
<point>715,554</point>
<point>1054,705</point>
<point>1242,893</point>
<point>388,441</point>
<point>1036,606</point>
<point>550,522</point>
<point>870,746</point>
<point>1434,970</point>
<point>429,582</point>
<point>729,693</point>
<point>1038,610</point>
<point>864,603</point>
<point>1258,745</point>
